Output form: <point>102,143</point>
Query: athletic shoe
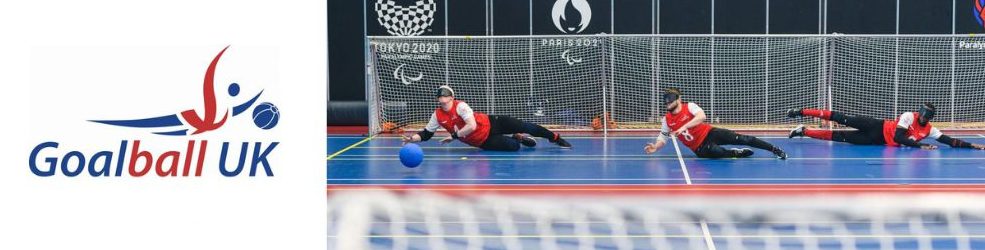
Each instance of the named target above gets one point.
<point>780,154</point>
<point>525,140</point>
<point>742,152</point>
<point>797,132</point>
<point>560,141</point>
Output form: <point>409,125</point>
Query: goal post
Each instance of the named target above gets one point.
<point>614,82</point>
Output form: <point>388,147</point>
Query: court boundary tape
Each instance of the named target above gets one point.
<point>653,179</point>
<point>641,158</point>
<point>676,189</point>
<point>350,147</point>
<point>738,236</point>
<point>651,137</point>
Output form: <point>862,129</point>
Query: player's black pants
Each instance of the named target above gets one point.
<point>869,130</point>
<point>502,128</point>
<point>711,147</point>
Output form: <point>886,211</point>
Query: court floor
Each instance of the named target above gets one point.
<point>618,166</point>
<point>621,161</point>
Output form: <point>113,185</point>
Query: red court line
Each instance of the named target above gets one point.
<point>676,189</point>
<point>651,132</point>
<point>347,130</point>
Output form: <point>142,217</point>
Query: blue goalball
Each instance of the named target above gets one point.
<point>411,155</point>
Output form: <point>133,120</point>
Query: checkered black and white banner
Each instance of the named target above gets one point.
<point>405,20</point>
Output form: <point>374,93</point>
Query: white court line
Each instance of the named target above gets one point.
<point>472,157</point>
<point>717,186</point>
<point>670,179</point>
<point>651,137</point>
<point>436,147</point>
<point>663,222</point>
<point>520,157</point>
<point>704,230</point>
<point>515,156</point>
<point>983,136</point>
<point>828,236</point>
<point>687,179</point>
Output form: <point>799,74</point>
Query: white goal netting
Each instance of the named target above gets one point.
<point>376,219</point>
<point>741,81</point>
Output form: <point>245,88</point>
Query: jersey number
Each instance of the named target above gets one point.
<point>687,136</point>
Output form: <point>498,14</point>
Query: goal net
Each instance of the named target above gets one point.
<point>614,82</point>
<point>377,219</point>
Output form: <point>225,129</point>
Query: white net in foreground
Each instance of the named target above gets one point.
<point>741,81</point>
<point>376,219</point>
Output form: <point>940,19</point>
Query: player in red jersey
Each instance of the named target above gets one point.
<point>480,130</point>
<point>907,130</point>
<point>686,121</point>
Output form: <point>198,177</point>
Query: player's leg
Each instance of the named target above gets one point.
<point>713,150</point>
<point>854,137</point>
<point>855,121</point>
<point>510,125</point>
<point>496,142</point>
<point>728,137</point>
<point>497,130</point>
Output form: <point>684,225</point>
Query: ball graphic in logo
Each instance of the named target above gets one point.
<point>266,115</point>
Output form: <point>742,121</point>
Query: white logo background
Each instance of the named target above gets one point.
<point>137,59</point>
<point>405,20</point>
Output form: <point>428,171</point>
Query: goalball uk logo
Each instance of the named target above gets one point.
<point>47,159</point>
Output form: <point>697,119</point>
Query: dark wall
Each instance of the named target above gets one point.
<point>346,21</point>
<point>345,51</point>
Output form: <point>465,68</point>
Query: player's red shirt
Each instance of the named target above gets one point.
<point>694,136</point>
<point>450,120</point>
<point>914,130</point>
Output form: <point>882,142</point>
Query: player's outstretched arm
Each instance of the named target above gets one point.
<point>958,143</point>
<point>653,147</point>
<point>902,139</point>
<point>661,139</point>
<point>951,141</point>
<point>425,134</point>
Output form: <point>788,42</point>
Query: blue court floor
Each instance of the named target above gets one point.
<point>618,164</point>
<point>621,161</point>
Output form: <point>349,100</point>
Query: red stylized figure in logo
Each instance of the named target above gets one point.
<point>207,122</point>
<point>980,15</point>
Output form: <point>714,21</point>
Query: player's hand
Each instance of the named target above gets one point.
<point>929,147</point>
<point>978,146</point>
<point>650,148</point>
<point>447,140</point>
<point>406,139</point>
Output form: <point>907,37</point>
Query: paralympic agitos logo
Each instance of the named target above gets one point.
<point>47,159</point>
